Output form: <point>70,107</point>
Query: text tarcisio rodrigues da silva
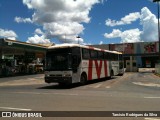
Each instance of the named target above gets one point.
<point>135,114</point>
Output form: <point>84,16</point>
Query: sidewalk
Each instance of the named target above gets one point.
<point>146,69</point>
<point>22,80</point>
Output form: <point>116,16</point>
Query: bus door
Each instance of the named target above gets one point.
<point>76,65</point>
<point>75,69</point>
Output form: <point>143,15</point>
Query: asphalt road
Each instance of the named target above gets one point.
<point>130,92</point>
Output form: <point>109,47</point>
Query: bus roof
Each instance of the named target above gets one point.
<point>116,52</point>
<point>65,45</point>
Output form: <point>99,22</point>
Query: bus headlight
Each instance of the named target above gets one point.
<point>47,75</point>
<point>67,75</point>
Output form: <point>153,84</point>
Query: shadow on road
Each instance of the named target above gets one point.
<point>76,85</point>
<point>57,86</point>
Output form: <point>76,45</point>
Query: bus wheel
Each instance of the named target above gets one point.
<point>83,79</point>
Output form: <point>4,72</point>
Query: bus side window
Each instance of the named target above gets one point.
<point>120,57</point>
<point>93,54</point>
<point>85,53</point>
<point>106,56</point>
<point>111,56</point>
<point>100,55</point>
<point>116,57</point>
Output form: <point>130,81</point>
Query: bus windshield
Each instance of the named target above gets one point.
<point>58,61</point>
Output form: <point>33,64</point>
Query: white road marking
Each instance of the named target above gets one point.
<point>146,84</point>
<point>10,108</point>
<point>36,93</point>
<point>97,86</point>
<point>108,86</point>
<point>152,119</point>
<point>63,94</point>
<point>153,97</point>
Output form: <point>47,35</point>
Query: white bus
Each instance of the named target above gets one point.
<point>74,63</point>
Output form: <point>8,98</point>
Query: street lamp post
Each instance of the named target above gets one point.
<point>78,38</point>
<point>157,1</point>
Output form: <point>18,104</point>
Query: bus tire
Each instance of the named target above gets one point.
<point>83,79</point>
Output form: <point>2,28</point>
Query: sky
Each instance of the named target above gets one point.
<point>79,21</point>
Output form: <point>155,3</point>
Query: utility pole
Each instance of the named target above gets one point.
<point>157,1</point>
<point>78,38</point>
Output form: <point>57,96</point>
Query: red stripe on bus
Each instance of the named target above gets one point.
<point>92,48</point>
<point>98,68</point>
<point>105,68</point>
<point>90,70</point>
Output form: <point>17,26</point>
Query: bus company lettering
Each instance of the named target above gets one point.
<point>98,68</point>
<point>26,114</point>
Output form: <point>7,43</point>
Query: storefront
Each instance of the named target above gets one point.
<point>20,58</point>
<point>146,54</point>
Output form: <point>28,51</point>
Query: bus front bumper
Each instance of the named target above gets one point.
<point>58,80</point>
